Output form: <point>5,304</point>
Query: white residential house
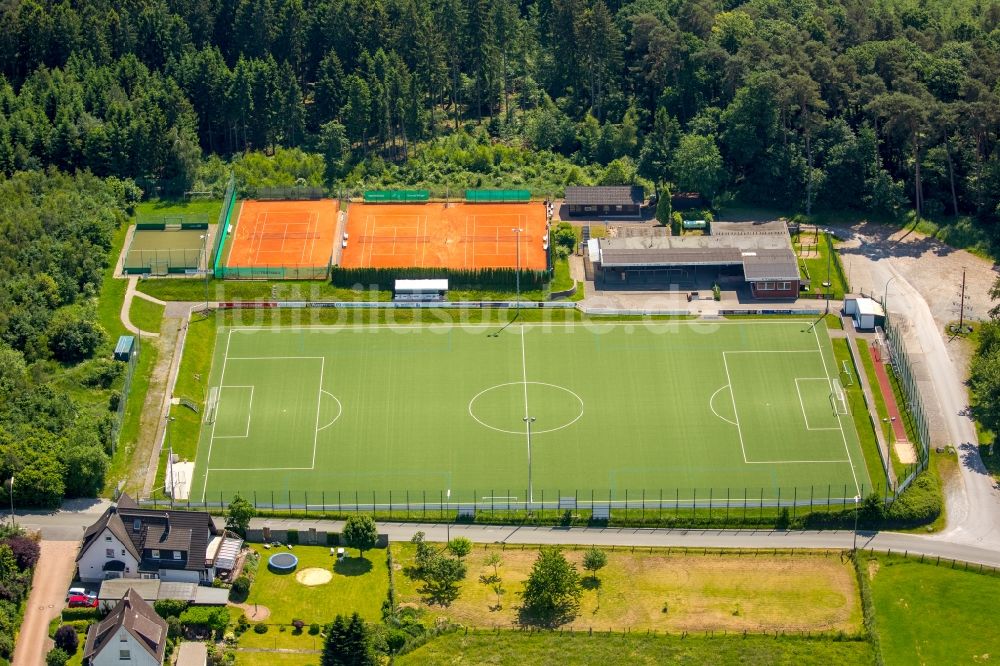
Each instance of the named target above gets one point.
<point>132,634</point>
<point>128,541</point>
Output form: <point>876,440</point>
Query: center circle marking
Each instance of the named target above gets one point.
<point>478,420</point>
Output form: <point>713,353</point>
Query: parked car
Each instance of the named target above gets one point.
<point>82,601</point>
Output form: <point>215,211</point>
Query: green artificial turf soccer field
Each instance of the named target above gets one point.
<point>683,408</point>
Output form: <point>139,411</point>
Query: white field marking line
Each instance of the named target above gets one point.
<point>843,436</point>
<point>802,403</point>
<point>711,405</point>
<point>527,417</point>
<point>793,462</point>
<point>249,414</point>
<point>269,358</point>
<point>222,379</point>
<point>466,264</point>
<point>518,432</point>
<point>736,413</point>
<point>257,469</point>
<point>577,324</point>
<point>771,351</point>
<point>314,232</point>
<point>319,403</point>
<point>315,434</point>
<point>340,409</point>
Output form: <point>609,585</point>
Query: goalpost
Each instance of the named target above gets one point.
<point>838,399</point>
<point>211,405</point>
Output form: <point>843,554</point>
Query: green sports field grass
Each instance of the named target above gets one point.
<point>688,409</point>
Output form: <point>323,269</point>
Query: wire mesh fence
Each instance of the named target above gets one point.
<point>118,420</point>
<point>163,261</point>
<point>272,272</point>
<point>287,193</point>
<point>915,410</point>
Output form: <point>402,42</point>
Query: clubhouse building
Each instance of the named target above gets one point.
<point>755,259</point>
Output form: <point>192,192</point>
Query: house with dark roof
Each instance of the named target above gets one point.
<point>605,201</point>
<point>132,633</point>
<point>756,255</point>
<point>128,541</point>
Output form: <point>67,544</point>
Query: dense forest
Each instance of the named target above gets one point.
<point>56,398</point>
<point>880,106</point>
<point>877,105</point>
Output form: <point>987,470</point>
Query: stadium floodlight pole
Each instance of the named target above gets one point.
<point>531,495</point>
<point>447,525</point>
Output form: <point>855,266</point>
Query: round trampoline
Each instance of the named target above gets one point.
<point>282,562</point>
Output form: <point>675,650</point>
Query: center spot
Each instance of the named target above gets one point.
<point>502,407</point>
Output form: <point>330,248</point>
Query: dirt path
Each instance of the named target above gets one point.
<point>919,277</point>
<point>48,593</point>
<point>157,406</point>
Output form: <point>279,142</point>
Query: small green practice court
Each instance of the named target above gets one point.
<point>686,410</point>
<point>168,250</point>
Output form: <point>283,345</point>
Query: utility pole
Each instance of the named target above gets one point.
<point>962,304</point>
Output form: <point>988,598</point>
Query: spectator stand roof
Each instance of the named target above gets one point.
<point>604,195</point>
<point>763,250</point>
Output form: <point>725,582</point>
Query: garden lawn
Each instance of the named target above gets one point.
<point>928,614</point>
<point>275,639</point>
<point>514,648</point>
<point>357,585</point>
<point>146,315</point>
<point>732,592</point>
<point>276,659</point>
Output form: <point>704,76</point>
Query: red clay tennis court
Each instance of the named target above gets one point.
<point>435,235</point>
<point>292,236</point>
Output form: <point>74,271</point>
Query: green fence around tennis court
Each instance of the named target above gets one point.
<point>288,193</point>
<point>222,230</point>
<point>162,262</point>
<point>497,196</point>
<point>272,272</point>
<point>397,196</point>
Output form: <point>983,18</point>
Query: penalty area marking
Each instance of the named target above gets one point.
<point>711,405</point>
<point>525,384</point>
<point>340,410</point>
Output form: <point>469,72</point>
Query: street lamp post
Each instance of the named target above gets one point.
<point>170,460</point>
<point>885,293</point>
<point>857,498</point>
<point>10,489</point>
<point>528,420</point>
<point>205,270</point>
<point>447,524</point>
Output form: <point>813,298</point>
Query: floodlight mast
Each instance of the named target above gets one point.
<point>528,420</point>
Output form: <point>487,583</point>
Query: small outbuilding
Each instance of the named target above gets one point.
<point>420,290</point>
<point>605,201</point>
<point>125,349</point>
<point>866,312</point>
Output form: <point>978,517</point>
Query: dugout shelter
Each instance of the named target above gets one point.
<point>420,290</point>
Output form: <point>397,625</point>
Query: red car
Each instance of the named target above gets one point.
<point>82,601</point>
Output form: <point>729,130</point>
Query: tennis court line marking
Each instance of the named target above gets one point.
<point>249,413</point>
<point>840,422</point>
<point>802,403</point>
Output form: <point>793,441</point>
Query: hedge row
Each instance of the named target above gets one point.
<point>487,278</point>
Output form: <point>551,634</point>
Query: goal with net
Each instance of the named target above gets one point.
<point>838,399</point>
